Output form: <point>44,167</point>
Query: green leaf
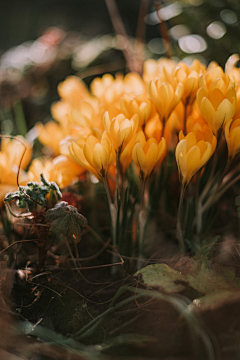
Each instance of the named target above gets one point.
<point>201,274</point>
<point>20,117</point>
<point>66,221</point>
<point>34,194</point>
<point>237,201</point>
<point>163,277</point>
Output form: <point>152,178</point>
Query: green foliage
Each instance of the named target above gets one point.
<point>66,221</point>
<point>213,282</point>
<point>199,245</point>
<point>20,118</point>
<point>237,203</point>
<point>35,194</point>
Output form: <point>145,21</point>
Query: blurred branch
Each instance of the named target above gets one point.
<point>101,69</point>
<point>163,31</point>
<point>127,48</point>
<point>141,32</point>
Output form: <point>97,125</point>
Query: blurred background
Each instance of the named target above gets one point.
<point>43,41</point>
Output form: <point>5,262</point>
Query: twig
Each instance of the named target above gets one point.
<point>123,38</point>
<point>179,233</point>
<point>15,243</point>
<point>140,33</point>
<point>101,69</point>
<point>72,257</point>
<point>24,215</point>
<point>163,31</point>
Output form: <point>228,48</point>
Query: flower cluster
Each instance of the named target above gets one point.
<point>124,120</point>
<point>139,118</point>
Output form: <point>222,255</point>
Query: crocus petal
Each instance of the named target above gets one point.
<point>152,157</point>
<point>181,157</point>
<point>139,158</point>
<point>100,159</point>
<point>193,158</point>
<point>88,149</point>
<point>106,121</point>
<point>78,156</point>
<point>223,114</point>
<point>208,111</point>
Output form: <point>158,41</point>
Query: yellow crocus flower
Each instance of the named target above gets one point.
<point>191,156</point>
<point>50,134</point>
<point>14,150</point>
<point>73,90</point>
<point>61,170</point>
<point>216,98</point>
<point>126,155</point>
<point>232,135</point>
<point>120,130</point>
<point>165,97</point>
<point>153,69</point>
<point>153,128</point>
<point>38,167</point>
<point>189,77</point>
<point>10,157</point>
<point>60,111</point>
<point>136,105</point>
<point>95,155</point>
<point>146,154</point>
<point>88,115</point>
<point>231,70</point>
<point>202,133</point>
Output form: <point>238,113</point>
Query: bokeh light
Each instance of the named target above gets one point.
<point>157,46</point>
<point>228,16</point>
<point>166,13</point>
<point>178,31</point>
<point>216,30</point>
<point>192,44</point>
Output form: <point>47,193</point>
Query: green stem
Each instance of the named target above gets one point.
<point>92,326</point>
<point>142,222</point>
<point>113,214</point>
<point>179,233</point>
<point>215,196</point>
<point>106,186</point>
<point>117,176</point>
<point>198,205</point>
<point>224,172</point>
<point>163,126</point>
<point>142,190</point>
<point>212,178</point>
<point>218,189</point>
<point>207,187</point>
<point>185,117</point>
<point>199,336</point>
